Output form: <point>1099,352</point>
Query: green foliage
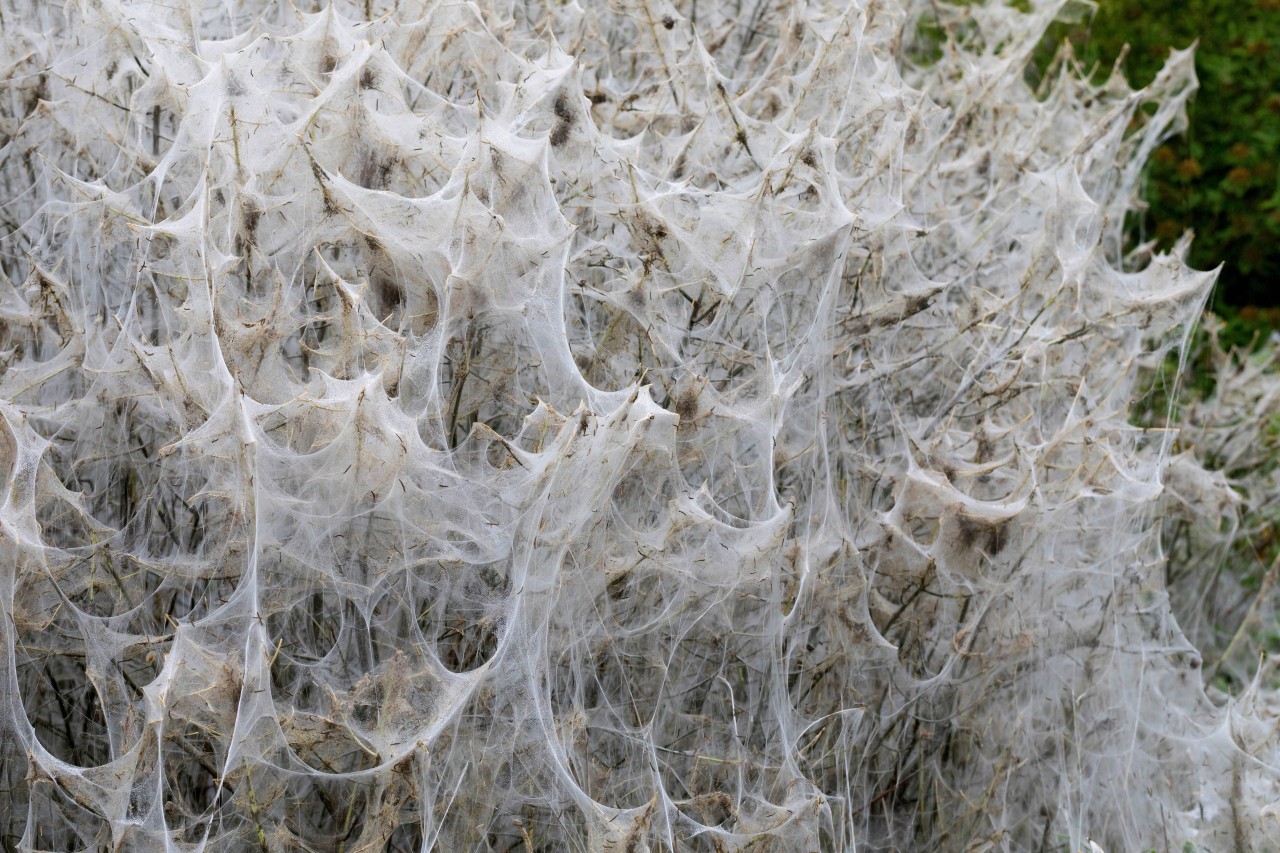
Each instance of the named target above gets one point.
<point>1219,179</point>
<point>1247,327</point>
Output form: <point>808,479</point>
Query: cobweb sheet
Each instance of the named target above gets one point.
<point>628,426</point>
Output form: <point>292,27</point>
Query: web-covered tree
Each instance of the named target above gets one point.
<point>491,426</point>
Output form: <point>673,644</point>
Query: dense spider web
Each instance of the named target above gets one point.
<point>485,426</point>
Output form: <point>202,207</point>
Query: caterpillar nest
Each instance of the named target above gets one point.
<point>592,426</point>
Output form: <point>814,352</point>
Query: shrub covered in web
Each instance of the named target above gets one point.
<point>612,426</point>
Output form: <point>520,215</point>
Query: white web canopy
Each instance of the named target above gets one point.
<point>628,426</point>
